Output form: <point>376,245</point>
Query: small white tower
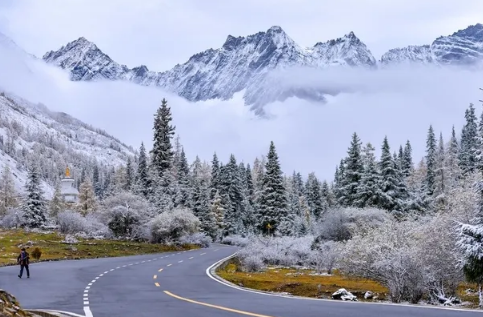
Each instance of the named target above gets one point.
<point>67,189</point>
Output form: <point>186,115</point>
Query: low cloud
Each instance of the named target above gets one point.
<point>400,103</point>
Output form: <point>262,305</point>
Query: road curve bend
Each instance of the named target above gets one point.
<point>173,284</point>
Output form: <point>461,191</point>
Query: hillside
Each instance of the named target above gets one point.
<point>32,133</point>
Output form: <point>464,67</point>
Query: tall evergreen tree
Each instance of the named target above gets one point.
<point>440,174</point>
<point>452,161</point>
<point>353,173</point>
<point>183,181</point>
<point>97,181</point>
<point>162,152</point>
<point>215,177</point>
<point>407,163</point>
<point>142,178</point>
<point>34,206</point>
<point>430,161</point>
<point>56,203</point>
<point>232,197</point>
<point>273,202</point>
<point>129,175</point>
<point>390,183</point>
<point>315,200</point>
<point>469,134</point>
<point>369,193</point>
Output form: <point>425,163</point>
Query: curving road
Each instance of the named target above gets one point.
<point>172,284</point>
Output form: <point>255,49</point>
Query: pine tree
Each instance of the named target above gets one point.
<point>143,185</point>
<point>369,192</point>
<point>452,161</point>
<point>8,194</point>
<point>34,206</point>
<point>315,200</point>
<point>440,180</point>
<point>215,177</point>
<point>162,153</point>
<point>407,163</point>
<point>87,199</point>
<point>56,203</point>
<point>129,175</point>
<point>97,182</point>
<point>273,202</point>
<point>353,173</point>
<point>232,197</point>
<point>469,134</point>
<point>390,184</point>
<point>218,210</point>
<point>430,161</point>
<point>183,181</point>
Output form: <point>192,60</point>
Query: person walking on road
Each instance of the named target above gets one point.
<point>23,260</point>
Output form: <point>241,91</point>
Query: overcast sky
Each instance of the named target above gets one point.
<point>162,33</point>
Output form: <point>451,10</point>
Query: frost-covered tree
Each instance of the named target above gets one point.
<point>316,202</point>
<point>440,173</point>
<point>8,194</point>
<point>215,176</point>
<point>469,135</point>
<point>182,177</point>
<point>34,205</point>
<point>392,188</point>
<point>129,175</point>
<point>162,151</point>
<point>96,181</point>
<point>219,212</point>
<point>452,161</point>
<point>369,194</point>
<point>407,162</point>
<point>471,244</point>
<point>430,161</point>
<point>87,199</point>
<point>142,185</point>
<point>232,197</point>
<point>353,171</point>
<point>273,201</point>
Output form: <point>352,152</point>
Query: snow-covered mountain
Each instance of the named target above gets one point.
<point>31,132</point>
<point>464,47</point>
<point>242,63</point>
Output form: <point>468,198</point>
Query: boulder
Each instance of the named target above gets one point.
<point>343,294</point>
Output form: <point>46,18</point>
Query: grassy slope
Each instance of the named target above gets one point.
<point>302,282</point>
<point>53,249</point>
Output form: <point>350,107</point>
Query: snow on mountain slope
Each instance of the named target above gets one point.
<point>464,47</point>
<point>242,63</point>
<point>32,133</point>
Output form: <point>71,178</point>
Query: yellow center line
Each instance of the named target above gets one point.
<point>160,270</point>
<point>215,306</point>
<point>157,284</point>
<point>155,277</point>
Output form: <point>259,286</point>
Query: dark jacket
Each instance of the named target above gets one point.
<point>23,258</point>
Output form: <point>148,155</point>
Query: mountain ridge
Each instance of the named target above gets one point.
<point>243,63</point>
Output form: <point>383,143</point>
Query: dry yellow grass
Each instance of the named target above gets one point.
<point>305,283</point>
<point>301,282</point>
<point>53,249</point>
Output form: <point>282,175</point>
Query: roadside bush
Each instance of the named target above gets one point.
<point>12,219</point>
<point>283,251</point>
<point>126,214</point>
<point>170,226</point>
<point>72,222</point>
<point>198,238</point>
<point>236,240</point>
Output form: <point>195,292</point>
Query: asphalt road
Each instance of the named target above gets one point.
<point>172,285</point>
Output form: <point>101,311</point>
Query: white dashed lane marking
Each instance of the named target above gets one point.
<point>85,296</point>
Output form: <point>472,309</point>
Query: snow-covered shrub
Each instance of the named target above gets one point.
<point>126,214</point>
<point>198,238</point>
<point>72,222</point>
<point>343,223</point>
<point>171,225</point>
<point>388,255</point>
<point>236,240</point>
<point>12,219</point>
<point>285,251</point>
<point>324,255</point>
<point>252,263</point>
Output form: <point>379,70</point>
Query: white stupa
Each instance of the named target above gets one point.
<point>67,189</point>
